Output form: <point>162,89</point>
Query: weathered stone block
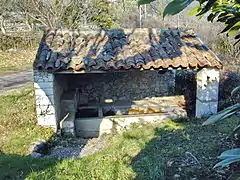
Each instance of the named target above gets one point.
<point>48,93</point>
<point>206,108</point>
<point>41,76</point>
<point>42,79</point>
<point>99,126</point>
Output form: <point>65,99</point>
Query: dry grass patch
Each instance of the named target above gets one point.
<point>16,60</point>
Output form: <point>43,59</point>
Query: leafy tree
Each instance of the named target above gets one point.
<point>225,11</point>
<point>102,15</point>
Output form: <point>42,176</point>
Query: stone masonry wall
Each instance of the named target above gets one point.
<point>47,94</point>
<point>122,86</point>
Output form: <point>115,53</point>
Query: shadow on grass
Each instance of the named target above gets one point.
<point>18,167</point>
<point>181,151</point>
<point>15,166</point>
<point>145,152</point>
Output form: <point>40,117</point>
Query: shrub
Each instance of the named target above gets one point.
<point>20,40</point>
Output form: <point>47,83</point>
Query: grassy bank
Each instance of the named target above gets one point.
<point>18,128</point>
<point>11,61</point>
<point>156,151</point>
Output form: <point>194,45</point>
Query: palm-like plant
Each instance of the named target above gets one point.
<point>233,155</point>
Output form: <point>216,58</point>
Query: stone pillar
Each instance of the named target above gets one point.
<point>68,111</point>
<point>207,92</point>
<point>44,94</point>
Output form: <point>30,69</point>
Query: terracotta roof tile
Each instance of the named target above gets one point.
<point>63,49</point>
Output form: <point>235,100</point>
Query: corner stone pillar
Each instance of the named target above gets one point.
<point>44,94</point>
<point>207,92</point>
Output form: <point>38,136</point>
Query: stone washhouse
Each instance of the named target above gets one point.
<point>93,82</point>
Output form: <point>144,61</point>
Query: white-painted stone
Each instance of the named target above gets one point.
<point>43,85</point>
<point>45,109</point>
<point>207,84</point>
<point>106,124</point>
<point>44,92</point>
<point>207,92</point>
<point>47,120</point>
<point>206,108</point>
<point>44,100</point>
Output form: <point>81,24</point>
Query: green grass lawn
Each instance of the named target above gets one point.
<point>18,128</point>
<point>144,152</point>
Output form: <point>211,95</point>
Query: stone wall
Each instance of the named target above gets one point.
<point>47,94</point>
<point>186,85</point>
<point>55,91</point>
<point>131,85</point>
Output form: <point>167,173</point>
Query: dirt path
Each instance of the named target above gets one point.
<point>15,80</point>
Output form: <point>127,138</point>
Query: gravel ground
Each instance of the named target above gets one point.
<point>76,148</point>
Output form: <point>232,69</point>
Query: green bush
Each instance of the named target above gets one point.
<point>225,46</point>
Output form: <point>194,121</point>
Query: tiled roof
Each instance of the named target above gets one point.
<point>115,49</point>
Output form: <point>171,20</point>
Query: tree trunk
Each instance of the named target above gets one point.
<point>2,25</point>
